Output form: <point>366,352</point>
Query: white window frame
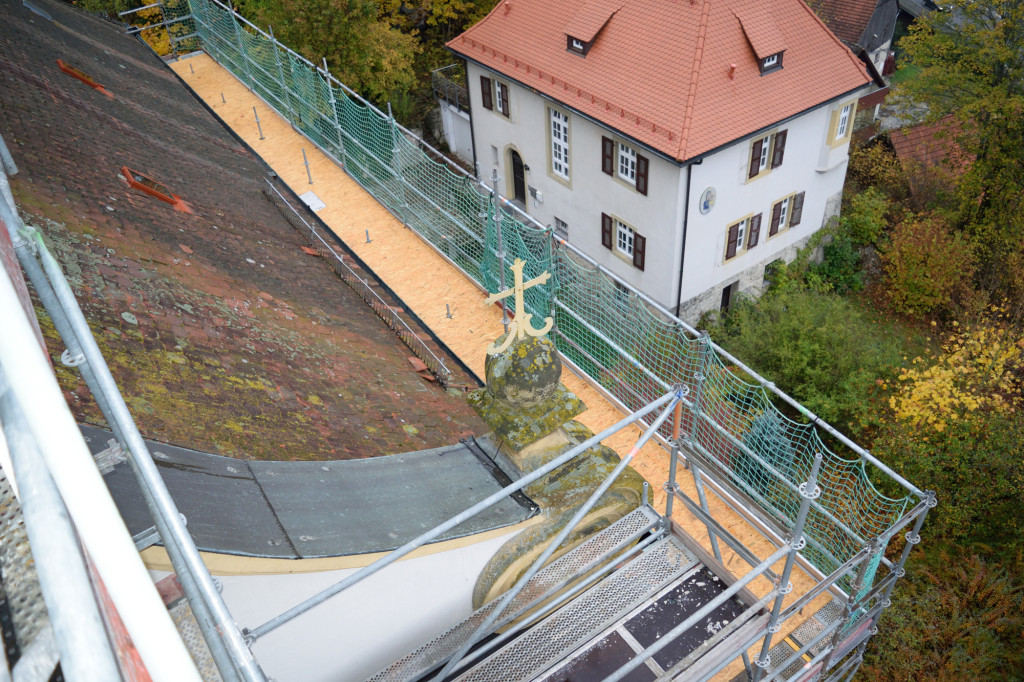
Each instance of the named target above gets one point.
<point>784,213</point>
<point>578,44</point>
<point>498,87</point>
<point>842,128</point>
<point>625,238</point>
<point>766,154</point>
<point>626,161</point>
<point>769,62</point>
<point>558,126</point>
<point>740,234</point>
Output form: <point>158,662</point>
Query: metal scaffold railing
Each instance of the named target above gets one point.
<point>32,400</point>
<point>743,426</point>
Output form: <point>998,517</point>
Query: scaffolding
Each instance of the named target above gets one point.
<point>627,344</point>
<point>817,508</point>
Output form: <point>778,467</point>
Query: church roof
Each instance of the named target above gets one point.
<point>222,332</point>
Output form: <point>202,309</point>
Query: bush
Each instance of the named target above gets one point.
<point>957,617</point>
<point>928,268</point>
<point>864,218</point>
<point>817,347</point>
<point>840,267</point>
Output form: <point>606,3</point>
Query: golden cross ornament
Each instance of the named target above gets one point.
<point>519,327</point>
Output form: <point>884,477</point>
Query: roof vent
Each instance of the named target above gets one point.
<point>148,185</point>
<point>75,72</point>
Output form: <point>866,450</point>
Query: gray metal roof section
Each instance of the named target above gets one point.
<point>302,510</point>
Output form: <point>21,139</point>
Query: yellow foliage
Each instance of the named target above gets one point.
<point>979,368</point>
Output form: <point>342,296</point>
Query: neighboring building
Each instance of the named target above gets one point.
<point>865,26</point>
<point>683,145</point>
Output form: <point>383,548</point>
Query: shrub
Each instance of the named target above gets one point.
<point>927,266</point>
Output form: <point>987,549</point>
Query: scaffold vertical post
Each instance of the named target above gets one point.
<point>334,115</point>
<point>251,84</point>
<point>848,610</point>
<point>809,491</point>
<point>672,486</point>
<point>496,213</point>
<point>704,345</point>
<point>285,92</point>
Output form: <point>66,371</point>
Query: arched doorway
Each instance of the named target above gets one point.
<point>518,177</point>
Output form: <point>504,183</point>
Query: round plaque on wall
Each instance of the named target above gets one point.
<point>707,200</point>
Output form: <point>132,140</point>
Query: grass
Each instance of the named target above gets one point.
<point>905,73</point>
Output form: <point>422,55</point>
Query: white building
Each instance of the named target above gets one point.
<point>684,145</point>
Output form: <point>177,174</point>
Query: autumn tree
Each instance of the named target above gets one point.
<point>971,61</point>
<point>363,50</point>
<point>928,266</point>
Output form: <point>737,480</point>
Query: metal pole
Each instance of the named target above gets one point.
<point>334,115</point>
<point>305,162</point>
<point>912,537</point>
<point>77,625</point>
<point>695,618</point>
<point>57,313</point>
<point>241,50</point>
<point>426,537</point>
<point>850,601</point>
<point>280,76</point>
<point>396,168</point>
<point>501,244</point>
<point>704,343</point>
<point>96,517</point>
<point>808,491</point>
<point>176,538</point>
<point>672,487</point>
<point>258,126</point>
<point>6,159</point>
<point>555,543</point>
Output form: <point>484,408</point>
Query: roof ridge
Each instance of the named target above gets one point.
<point>691,96</point>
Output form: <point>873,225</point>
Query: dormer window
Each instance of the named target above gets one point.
<point>578,46</point>
<point>772,62</point>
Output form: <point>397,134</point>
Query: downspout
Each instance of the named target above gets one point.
<point>472,133</point>
<point>686,220</point>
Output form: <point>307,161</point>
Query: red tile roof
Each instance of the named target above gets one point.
<point>659,70</point>
<point>931,145</point>
<point>846,18</point>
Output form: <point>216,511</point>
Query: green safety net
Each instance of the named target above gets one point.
<point>633,349</point>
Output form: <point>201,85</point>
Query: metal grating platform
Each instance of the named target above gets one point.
<point>567,629</point>
<point>186,623</point>
<point>434,652</point>
<point>24,613</point>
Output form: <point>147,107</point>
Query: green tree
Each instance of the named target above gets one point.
<point>363,51</point>
<point>971,62</point>
<point>816,346</point>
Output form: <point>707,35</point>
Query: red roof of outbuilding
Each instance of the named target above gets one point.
<point>659,70</point>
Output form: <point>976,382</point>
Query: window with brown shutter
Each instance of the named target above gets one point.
<point>606,231</point>
<point>485,92</point>
<point>776,215</point>
<point>730,247</point>
<point>755,158</point>
<point>639,251</point>
<point>798,209</point>
<point>642,164</point>
<point>779,149</point>
<point>502,98</point>
<point>607,156</point>
<point>755,231</point>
